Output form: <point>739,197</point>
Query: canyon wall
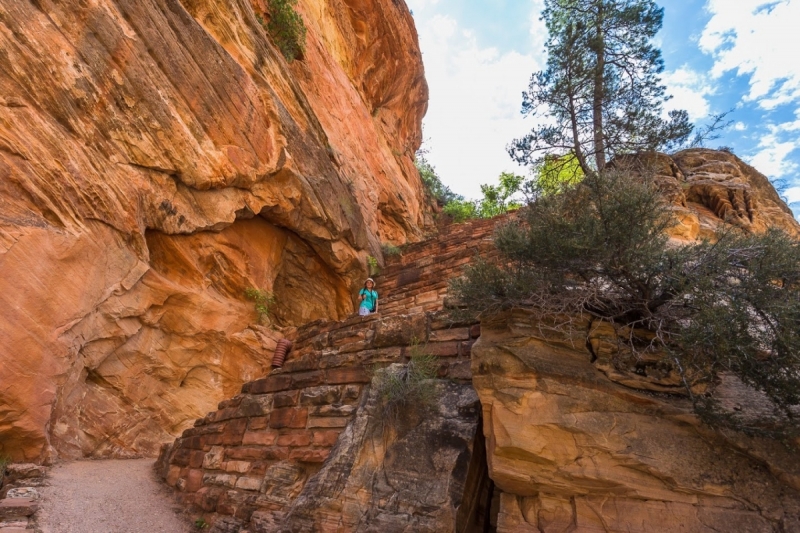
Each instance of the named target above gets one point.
<point>158,158</point>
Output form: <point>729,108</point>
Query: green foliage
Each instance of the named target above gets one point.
<point>390,250</point>
<point>554,174</point>
<point>461,210</point>
<point>497,199</point>
<point>599,251</point>
<point>413,384</point>
<point>263,301</point>
<point>286,28</point>
<point>4,462</point>
<point>200,523</point>
<point>601,89</point>
<point>433,184</point>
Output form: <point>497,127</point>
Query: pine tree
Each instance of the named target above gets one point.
<point>601,85</point>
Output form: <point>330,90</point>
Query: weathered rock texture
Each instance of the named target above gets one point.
<point>571,450</point>
<point>257,452</point>
<point>402,471</point>
<point>710,187</point>
<point>157,158</point>
<point>256,461</point>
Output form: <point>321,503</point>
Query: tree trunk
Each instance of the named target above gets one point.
<point>599,91</point>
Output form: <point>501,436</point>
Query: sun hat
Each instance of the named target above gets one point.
<point>370,279</point>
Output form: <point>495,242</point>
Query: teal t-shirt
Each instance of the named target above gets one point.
<point>371,299</point>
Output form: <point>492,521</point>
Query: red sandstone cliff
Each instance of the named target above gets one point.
<point>157,158</point>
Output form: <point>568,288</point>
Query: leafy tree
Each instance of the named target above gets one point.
<point>497,199</point>
<point>601,86</point>
<point>286,27</point>
<point>599,251</point>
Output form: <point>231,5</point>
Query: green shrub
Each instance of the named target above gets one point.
<point>412,384</point>
<point>372,266</point>
<point>497,199</point>
<point>200,523</point>
<point>390,250</point>
<point>286,28</point>
<point>599,250</point>
<point>263,301</point>
<point>554,174</point>
<point>461,210</point>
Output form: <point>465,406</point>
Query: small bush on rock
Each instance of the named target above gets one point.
<point>286,28</point>
<point>411,384</point>
<point>263,301</point>
<point>599,250</point>
<point>391,250</point>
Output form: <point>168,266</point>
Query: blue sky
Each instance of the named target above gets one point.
<point>719,55</point>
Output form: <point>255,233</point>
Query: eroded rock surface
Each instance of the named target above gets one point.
<point>157,158</point>
<point>571,450</point>
<point>398,472</point>
<point>710,187</point>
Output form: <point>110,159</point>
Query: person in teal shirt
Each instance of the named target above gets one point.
<point>369,298</point>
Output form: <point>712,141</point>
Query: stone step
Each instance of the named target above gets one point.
<point>17,507</point>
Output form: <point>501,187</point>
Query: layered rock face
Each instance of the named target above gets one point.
<point>571,450</point>
<point>710,187</point>
<point>156,160</point>
<point>257,461</point>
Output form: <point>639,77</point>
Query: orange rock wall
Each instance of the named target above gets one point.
<point>248,462</point>
<point>157,158</point>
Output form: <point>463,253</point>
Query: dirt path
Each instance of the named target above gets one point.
<point>109,496</point>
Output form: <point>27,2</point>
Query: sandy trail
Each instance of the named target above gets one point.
<point>108,496</point>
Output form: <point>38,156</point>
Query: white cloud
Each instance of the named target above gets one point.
<point>776,146</point>
<point>759,39</point>
<point>793,194</point>
<point>771,158</point>
<point>740,126</point>
<point>474,107</point>
<point>690,91</point>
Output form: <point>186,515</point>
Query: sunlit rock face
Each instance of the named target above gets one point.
<point>710,187</point>
<point>157,158</point>
<point>571,448</point>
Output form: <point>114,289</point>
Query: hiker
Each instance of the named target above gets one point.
<point>369,298</point>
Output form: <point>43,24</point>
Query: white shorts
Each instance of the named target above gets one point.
<point>363,311</point>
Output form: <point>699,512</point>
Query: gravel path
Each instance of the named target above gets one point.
<point>109,496</point>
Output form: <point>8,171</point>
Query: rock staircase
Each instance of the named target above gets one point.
<point>19,495</point>
<point>243,465</point>
<point>417,280</point>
